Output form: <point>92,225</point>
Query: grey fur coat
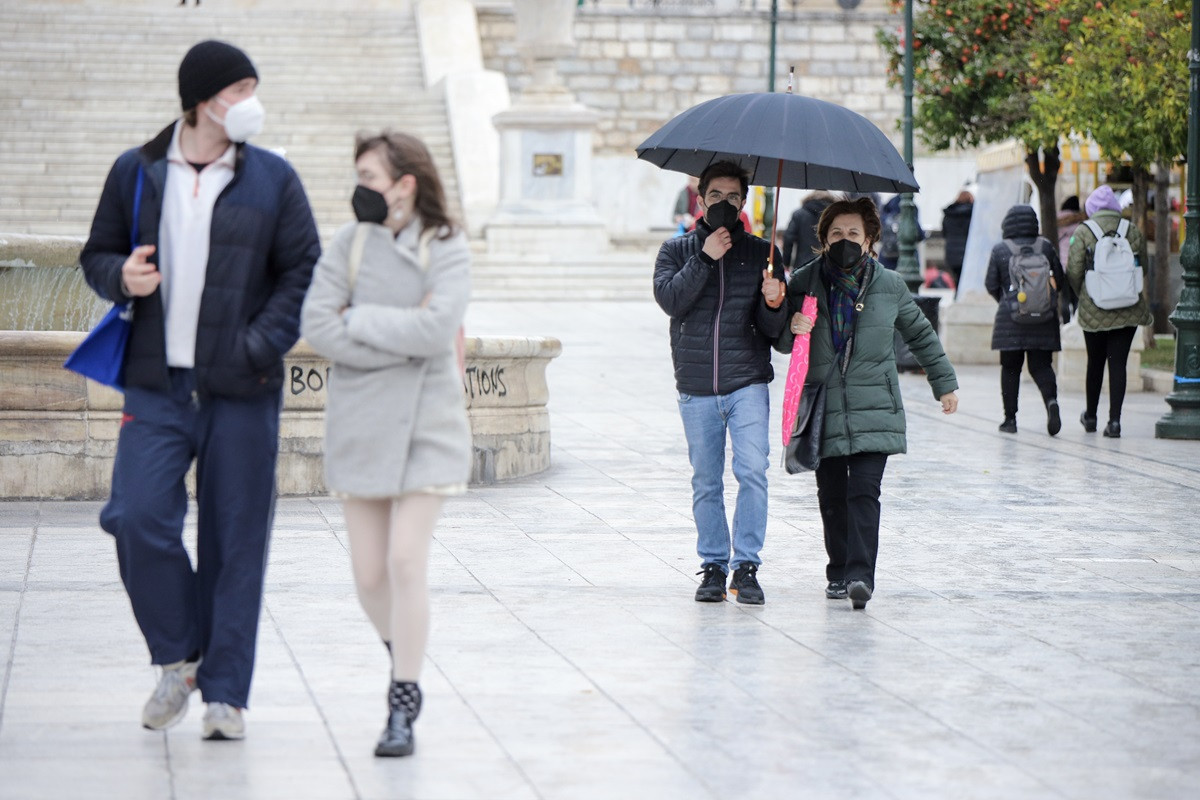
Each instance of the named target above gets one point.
<point>395,417</point>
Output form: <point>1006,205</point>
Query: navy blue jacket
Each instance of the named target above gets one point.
<point>721,327</point>
<point>262,250</point>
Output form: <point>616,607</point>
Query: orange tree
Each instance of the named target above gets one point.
<point>1121,78</point>
<point>975,73</point>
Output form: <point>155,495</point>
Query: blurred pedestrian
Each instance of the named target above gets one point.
<point>227,247</point>
<point>889,237</point>
<point>956,223</point>
<point>1020,334</point>
<point>860,304</point>
<point>800,243</point>
<point>1108,333</point>
<point>687,206</point>
<point>726,308</point>
<point>385,307</point>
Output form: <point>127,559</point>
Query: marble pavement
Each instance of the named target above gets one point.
<point>1035,632</point>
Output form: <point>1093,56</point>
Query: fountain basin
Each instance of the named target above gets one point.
<point>58,430</point>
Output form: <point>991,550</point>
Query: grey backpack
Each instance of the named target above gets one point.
<point>1030,287</point>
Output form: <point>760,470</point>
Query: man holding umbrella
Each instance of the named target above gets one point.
<point>726,307</point>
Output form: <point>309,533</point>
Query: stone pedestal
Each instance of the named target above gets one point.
<point>58,431</point>
<point>545,148</point>
<point>545,182</point>
<point>967,329</point>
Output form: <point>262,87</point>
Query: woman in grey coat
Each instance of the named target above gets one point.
<point>1018,342</point>
<point>386,303</point>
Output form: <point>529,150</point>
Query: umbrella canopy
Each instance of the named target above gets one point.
<point>821,145</point>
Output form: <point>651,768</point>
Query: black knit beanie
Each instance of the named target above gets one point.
<point>208,68</point>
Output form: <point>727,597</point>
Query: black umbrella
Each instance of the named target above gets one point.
<point>819,145</point>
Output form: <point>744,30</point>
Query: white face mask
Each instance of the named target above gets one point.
<point>242,120</point>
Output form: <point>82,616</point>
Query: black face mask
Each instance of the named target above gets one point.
<point>369,205</point>
<point>722,215</point>
<point>844,254</point>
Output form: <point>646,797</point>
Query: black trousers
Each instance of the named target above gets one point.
<point>848,495</point>
<point>1040,367</point>
<point>1111,349</point>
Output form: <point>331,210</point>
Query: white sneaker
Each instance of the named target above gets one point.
<point>169,703</point>
<point>223,721</point>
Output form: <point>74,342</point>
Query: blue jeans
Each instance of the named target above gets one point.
<point>744,415</point>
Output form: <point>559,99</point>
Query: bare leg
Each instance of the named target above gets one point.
<point>413,519</point>
<point>367,523</point>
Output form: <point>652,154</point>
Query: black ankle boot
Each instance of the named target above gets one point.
<point>404,705</point>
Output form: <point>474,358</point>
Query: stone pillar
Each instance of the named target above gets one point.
<point>545,148</point>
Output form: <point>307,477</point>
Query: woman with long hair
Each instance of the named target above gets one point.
<point>859,306</point>
<point>385,305</point>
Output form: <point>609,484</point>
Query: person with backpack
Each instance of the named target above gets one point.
<point>1023,275</point>
<point>1106,268</point>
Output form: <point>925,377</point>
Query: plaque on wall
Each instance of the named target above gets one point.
<point>546,164</point>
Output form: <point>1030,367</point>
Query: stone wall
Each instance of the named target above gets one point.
<point>638,68</point>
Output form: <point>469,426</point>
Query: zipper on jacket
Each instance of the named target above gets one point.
<point>717,325</point>
<point>848,348</point>
<point>891,394</point>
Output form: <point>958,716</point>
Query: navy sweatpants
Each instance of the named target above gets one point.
<point>212,609</point>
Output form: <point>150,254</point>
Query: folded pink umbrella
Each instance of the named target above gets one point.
<point>797,371</point>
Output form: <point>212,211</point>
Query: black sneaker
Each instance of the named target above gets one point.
<point>836,590</point>
<point>859,593</point>
<point>1112,430</point>
<point>1053,418</point>
<point>712,588</point>
<point>1089,422</point>
<point>1009,425</point>
<point>745,585</point>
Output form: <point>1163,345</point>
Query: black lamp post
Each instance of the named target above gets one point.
<point>1183,420</point>
<point>906,235</point>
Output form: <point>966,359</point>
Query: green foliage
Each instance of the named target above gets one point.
<point>1120,76</point>
<point>973,78</point>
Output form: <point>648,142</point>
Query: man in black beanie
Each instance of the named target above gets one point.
<point>213,241</point>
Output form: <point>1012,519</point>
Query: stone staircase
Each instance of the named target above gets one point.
<point>80,82</point>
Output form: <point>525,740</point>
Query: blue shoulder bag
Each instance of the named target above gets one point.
<point>101,355</point>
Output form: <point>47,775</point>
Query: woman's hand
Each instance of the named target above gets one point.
<point>949,403</point>
<point>802,324</point>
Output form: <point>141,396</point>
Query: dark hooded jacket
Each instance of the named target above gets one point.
<point>1020,227</point>
<point>262,250</point>
<point>721,327</point>
<point>956,223</point>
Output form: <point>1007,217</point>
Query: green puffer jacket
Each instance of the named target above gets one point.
<point>863,409</point>
<point>1079,261</point>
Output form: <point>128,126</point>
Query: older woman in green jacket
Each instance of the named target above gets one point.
<point>1107,333</point>
<point>859,306</point>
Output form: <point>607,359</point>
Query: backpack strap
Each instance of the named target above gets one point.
<point>1096,230</point>
<point>427,236</point>
<point>1123,229</point>
<point>356,253</point>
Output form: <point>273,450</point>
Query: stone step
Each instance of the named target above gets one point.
<point>81,83</point>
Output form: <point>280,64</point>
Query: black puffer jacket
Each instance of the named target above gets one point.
<point>263,247</point>
<point>1020,226</point>
<point>721,327</point>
